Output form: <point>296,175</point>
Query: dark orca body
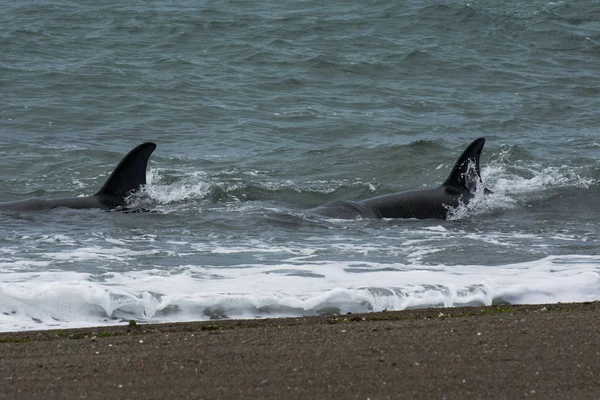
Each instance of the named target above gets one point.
<point>127,177</point>
<point>421,204</point>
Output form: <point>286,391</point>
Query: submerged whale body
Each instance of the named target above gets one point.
<point>421,204</point>
<point>126,178</point>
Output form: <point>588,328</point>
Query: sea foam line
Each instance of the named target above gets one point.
<point>67,299</point>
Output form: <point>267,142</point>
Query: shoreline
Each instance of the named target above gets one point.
<point>533,351</point>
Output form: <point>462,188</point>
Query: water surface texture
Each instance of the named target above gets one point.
<point>261,110</point>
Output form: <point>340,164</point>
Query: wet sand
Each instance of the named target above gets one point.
<point>537,351</point>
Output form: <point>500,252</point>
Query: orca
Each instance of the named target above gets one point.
<point>434,203</point>
<point>127,177</point>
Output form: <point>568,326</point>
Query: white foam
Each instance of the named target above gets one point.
<point>45,300</point>
<point>507,186</point>
<point>193,186</point>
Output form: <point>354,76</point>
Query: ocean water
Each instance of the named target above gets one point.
<point>261,110</point>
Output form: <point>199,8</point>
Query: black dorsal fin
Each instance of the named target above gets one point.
<point>462,173</point>
<point>129,174</point>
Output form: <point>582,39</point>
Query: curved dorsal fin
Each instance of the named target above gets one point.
<point>466,166</point>
<point>129,174</point>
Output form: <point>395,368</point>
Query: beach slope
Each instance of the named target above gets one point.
<point>536,351</point>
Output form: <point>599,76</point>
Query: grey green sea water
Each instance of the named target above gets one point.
<point>261,110</point>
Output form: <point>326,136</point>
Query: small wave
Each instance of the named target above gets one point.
<point>242,186</point>
<point>511,182</point>
<point>193,186</point>
<point>68,299</point>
